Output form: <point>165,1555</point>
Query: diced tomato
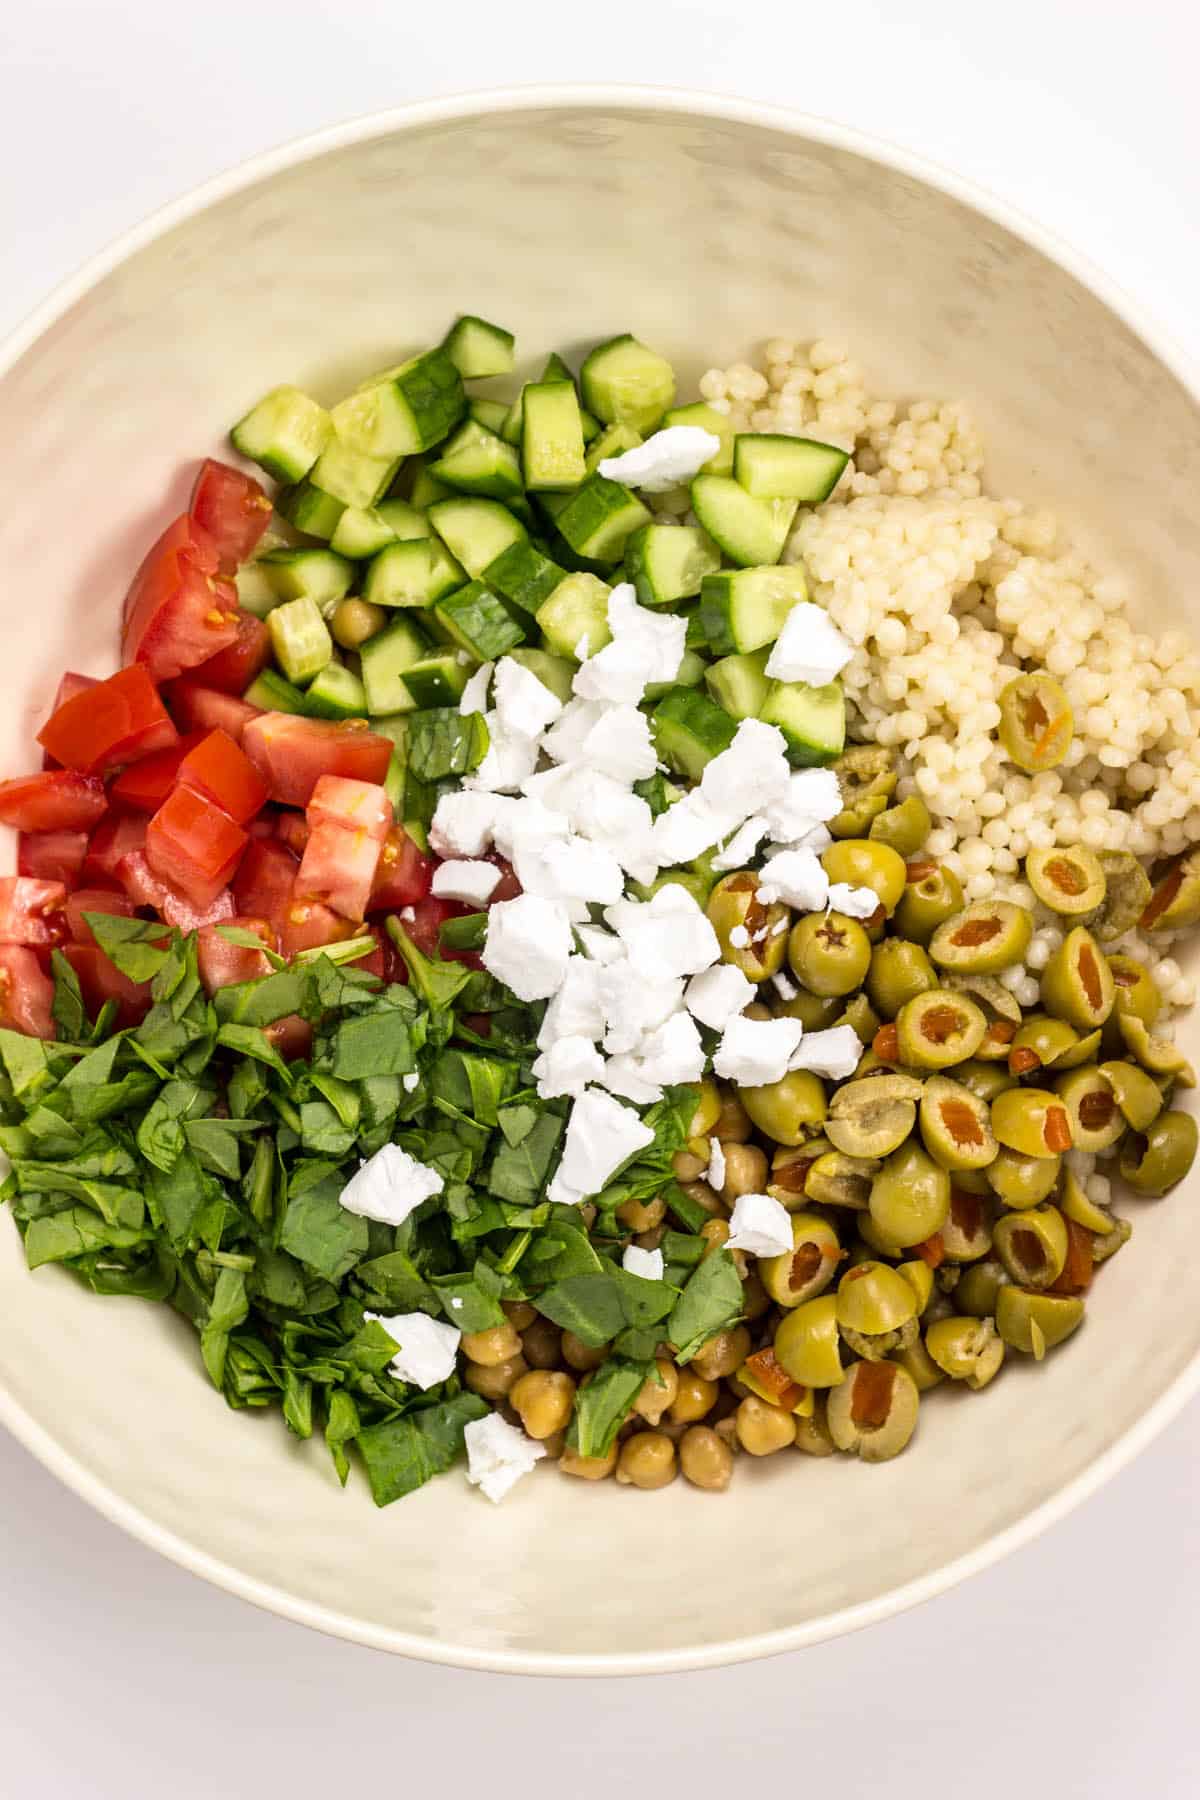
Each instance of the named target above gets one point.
<point>52,855</point>
<point>69,685</point>
<point>145,889</point>
<point>193,846</point>
<point>232,508</point>
<point>31,912</point>
<point>355,805</point>
<point>231,671</point>
<point>113,840</point>
<point>508,887</point>
<point>26,993</point>
<point>292,829</point>
<point>429,915</point>
<point>218,771</point>
<point>198,708</point>
<point>263,826</point>
<point>306,924</point>
<point>292,1036</point>
<point>223,963</point>
<point>292,753</point>
<point>265,880</point>
<point>403,875</point>
<point>338,867</point>
<point>179,611</point>
<point>58,800</point>
<point>100,980</point>
<point>112,723</point>
<point>385,960</point>
<point>145,784</point>
<point>94,900</point>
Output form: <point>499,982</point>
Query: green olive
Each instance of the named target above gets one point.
<point>1031,1120</point>
<point>1158,1055</point>
<point>955,1125</point>
<point>1034,1322</point>
<point>903,828</point>
<point>919,1277</point>
<point>829,953</point>
<point>1022,1181</point>
<point>1127,895</point>
<point>1175,902</point>
<point>789,1110</point>
<point>1036,723</point>
<point>978,1287</point>
<point>747,931</point>
<point>1134,996</point>
<point>1154,1160</point>
<point>864,863</point>
<point>1135,1093</point>
<point>967,1232</point>
<point>809,1345</point>
<point>1032,1245</point>
<point>1067,881</point>
<point>872,1117</point>
<point>1096,1121</point>
<point>867,779</point>
<point>812,1434</point>
<point>874,1298</point>
<point>790,1169</point>
<point>910,1198</point>
<point>921,1366</point>
<point>967,1349</point>
<point>815,1011</point>
<point>898,972</point>
<point>1041,1043</point>
<point>939,1028</point>
<point>873,1414</point>
<point>861,1017</point>
<point>808,1268</point>
<point>354,621</point>
<point>984,1079</point>
<point>839,1180</point>
<point>1111,1241</point>
<point>927,903</point>
<point>1077,983</point>
<point>984,938</point>
<point>1076,1206</point>
<point>708,1108</point>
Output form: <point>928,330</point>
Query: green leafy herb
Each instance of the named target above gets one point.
<point>711,1300</point>
<point>402,1454</point>
<point>134,945</point>
<point>442,741</point>
<point>603,1406</point>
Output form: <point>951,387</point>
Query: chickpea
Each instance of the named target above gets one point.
<point>715,1234</point>
<point>494,1381</point>
<point>723,1353</point>
<point>658,1392</point>
<point>555,1444</point>
<point>755,1298</point>
<point>519,1313</point>
<point>687,1167</point>
<point>702,1195</point>
<point>706,1461</point>
<point>762,1429</point>
<point>756,1010</point>
<point>495,1345</point>
<point>733,1122</point>
<point>543,1399</point>
<point>647,1460</point>
<point>541,1343</point>
<point>580,1355</point>
<point>354,621</point>
<point>745,1172</point>
<point>588,1468</point>
<point>642,1215</point>
<point>726,1430</point>
<point>695,1396</point>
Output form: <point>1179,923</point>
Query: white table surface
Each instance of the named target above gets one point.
<point>1069,1670</point>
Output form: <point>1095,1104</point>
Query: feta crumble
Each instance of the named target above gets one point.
<point>784,986</point>
<point>715,1172</point>
<point>718,995</point>
<point>755,1052</point>
<point>646,1263</point>
<point>761,1225</point>
<point>796,877</point>
<point>852,902</point>
<point>528,946</point>
<point>669,934</point>
<point>810,647</point>
<point>498,1454</point>
<point>427,1347</point>
<point>812,797</point>
<point>475,695</point>
<point>742,845</point>
<point>470,882</point>
<point>389,1185</point>
<point>568,1066</point>
<point>601,1136</point>
<point>667,460</point>
<point>524,705</point>
<point>645,648</point>
<point>835,1052</point>
<point>462,824</point>
<point>619,744</point>
<point>511,758</point>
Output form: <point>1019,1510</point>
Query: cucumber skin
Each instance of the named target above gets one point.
<point>599,517</point>
<point>689,730</point>
<point>479,622</point>
<point>477,348</point>
<point>783,702</point>
<point>728,603</point>
<point>564,618</point>
<point>761,526</point>
<point>642,551</point>
<point>739,684</point>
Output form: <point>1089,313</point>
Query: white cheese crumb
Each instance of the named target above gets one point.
<point>599,945</point>
<point>646,1263</point>
<point>475,694</point>
<point>462,824</point>
<point>750,776</point>
<point>601,1136</point>
<point>755,1052</point>
<point>687,829</point>
<point>796,877</point>
<point>761,1225</point>
<point>853,902</point>
<point>818,839</point>
<point>784,986</point>
<point>498,1454</point>
<point>470,882</point>
<point>564,741</point>
<point>569,1066</point>
<point>718,995</point>
<point>834,1052</point>
<point>672,1052</point>
<point>715,1172</point>
<point>511,758</point>
<point>427,1347</point>
<point>576,1009</point>
<point>739,937</point>
<point>812,798</point>
<point>810,647</point>
<point>410,1083</point>
<point>619,744</point>
<point>646,647</point>
<point>742,845</point>
<point>389,1185</point>
<point>623,1075</point>
<point>528,945</point>
<point>523,704</point>
<point>634,1003</point>
<point>667,935</point>
<point>666,460</point>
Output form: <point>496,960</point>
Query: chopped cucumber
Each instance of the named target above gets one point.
<point>590,424</point>
<point>552,436</point>
<point>749,531</point>
<point>272,693</point>
<point>524,575</point>
<point>689,730</point>
<point>350,476</point>
<point>556,369</point>
<point>476,461</point>
<point>611,441</point>
<point>426,489</point>
<point>404,520</point>
<point>475,530</point>
<point>624,383</point>
<point>514,421</point>
<point>412,572</point>
<point>702,414</point>
<point>555,672</point>
<point>479,622</point>
<point>396,727</point>
<point>336,693</point>
<point>743,609</point>
<point>405,409</point>
<point>436,680</point>
<point>739,683</point>
<point>300,639</point>
<point>812,719</point>
<point>317,575</point>
<point>309,510</point>
<point>284,434</point>
<point>599,517</point>
<point>478,348</point>
<point>384,659</point>
<point>773,466</point>
<point>491,414</point>
<point>689,675</point>
<point>256,591</point>
<point>361,531</point>
<point>395,782</point>
<point>577,609</point>
<point>668,562</point>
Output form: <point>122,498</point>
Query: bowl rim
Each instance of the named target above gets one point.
<point>727,108</point>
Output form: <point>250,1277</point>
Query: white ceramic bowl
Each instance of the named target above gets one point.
<point>704,225</point>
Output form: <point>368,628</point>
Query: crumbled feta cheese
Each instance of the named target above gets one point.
<point>818,839</point>
<point>568,1066</point>
<point>582,648</point>
<point>853,902</point>
<point>511,758</point>
<point>672,1052</point>
<point>498,1454</point>
<point>520,823</point>
<point>564,741</point>
<point>739,937</point>
<point>755,1052</point>
<point>835,1052</point>
<point>598,944</point>
<point>750,776</point>
<point>524,705</point>
<point>810,647</point>
<point>470,882</point>
<point>427,1347</point>
<point>389,1185</point>
<point>462,824</point>
<point>646,1263</point>
<point>715,1172</point>
<point>634,1003</point>
<point>623,1075</point>
<point>687,829</point>
<point>718,995</point>
<point>601,1136</point>
<point>575,1010</point>
<point>742,845</point>
<point>619,744</point>
<point>571,872</point>
<point>668,934</point>
<point>528,945</point>
<point>646,647</point>
<point>410,1083</point>
<point>795,877</point>
<point>605,812</point>
<point>761,1225</point>
<point>784,986</point>
<point>812,797</point>
<point>475,694</point>
<point>668,459</point>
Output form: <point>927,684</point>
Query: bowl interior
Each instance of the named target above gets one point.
<point>703,232</point>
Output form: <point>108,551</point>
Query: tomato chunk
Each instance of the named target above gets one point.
<point>69,685</point>
<point>231,671</point>
<point>384,960</point>
<point>145,889</point>
<point>113,840</point>
<point>219,771</point>
<point>265,880</point>
<point>292,1036</point>
<point>112,723</point>
<point>198,708</point>
<point>52,855</point>
<point>292,829</point>
<point>58,800</point>
<point>292,753</point>
<point>26,993</point>
<point>179,611</point>
<point>339,867</point>
<point>403,875</point>
<point>193,846</point>
<point>94,900</point>
<point>145,784</point>
<point>222,963</point>
<point>307,924</point>
<point>233,508</point>
<point>31,912</point>
<point>355,805</point>
<point>428,917</point>
<point>100,980</point>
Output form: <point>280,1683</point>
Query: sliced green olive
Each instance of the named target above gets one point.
<point>1041,1043</point>
<point>996,1000</point>
<point>1031,1120</point>
<point>1096,1120</point>
<point>1076,1206</point>
<point>1035,1322</point>
<point>1032,1245</point>
<point>1036,723</point>
<point>871,1117</point>
<point>939,1028</point>
<point>839,1180</point>
<point>1107,1245</point>
<point>978,1286</point>
<point>927,902</point>
<point>808,1268</point>
<point>812,1434</point>
<point>1127,896</point>
<point>921,1366</point>
<point>1020,1180</point>
<point>898,973</point>
<point>1067,881</point>
<point>984,938</point>
<point>867,779</point>
<point>873,1298</point>
<point>789,1110</point>
<point>1137,1096</point>
<point>919,1277</point>
<point>910,1197</point>
<point>864,863</point>
<point>829,953</point>
<point>1134,995</point>
<point>1154,1160</point>
<point>861,1017</point>
<point>955,1125</point>
<point>967,1230</point>
<point>747,931</point>
<point>903,828</point>
<point>1077,983</point>
<point>809,1344</point>
<point>815,1011</point>
<point>873,1414</point>
<point>1158,1055</point>
<point>984,1079</point>
<point>967,1349</point>
<point>1175,902</point>
<point>708,1108</point>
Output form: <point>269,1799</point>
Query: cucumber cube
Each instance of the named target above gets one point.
<point>384,660</point>
<point>478,348</point>
<point>477,461</point>
<point>478,621</point>
<point>739,683</point>
<point>405,409</point>
<point>748,530</point>
<point>475,530</point>
<point>361,531</point>
<point>309,510</point>
<point>256,592</point>
<point>400,575</point>
<point>555,672</point>
<point>300,639</point>
<point>336,693</point>
<point>668,562</point>
<point>689,730</point>
<point>689,674</point>
<point>599,517</point>
<point>577,609</point>
<point>552,436</point>
<point>523,575</point>
<point>318,575</point>
<point>624,383</point>
<point>771,465</point>
<point>702,414</point>
<point>743,609</point>
<point>272,693</point>
<point>426,489</point>
<point>404,520</point>
<point>812,719</point>
<point>489,413</point>
<point>284,434</point>
<point>436,680</point>
<point>611,441</point>
<point>350,476</point>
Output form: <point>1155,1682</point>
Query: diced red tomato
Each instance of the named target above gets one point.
<point>179,611</point>
<point>58,800</point>
<point>292,829</point>
<point>145,889</point>
<point>112,723</point>
<point>69,685</point>
<point>31,912</point>
<point>263,826</point>
<point>100,980</point>
<point>231,671</point>
<point>145,784</point>
<point>223,963</point>
<point>338,867</point>
<point>113,840</point>
<point>306,924</point>
<point>94,900</point>
<point>508,887</point>
<point>197,708</point>
<point>52,855</point>
<point>384,960</point>
<point>218,771</point>
<point>355,805</point>
<point>429,915</point>
<point>292,1036</point>
<point>193,846</point>
<point>265,880</point>
<point>292,753</point>
<point>232,508</point>
<point>26,993</point>
<point>403,875</point>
